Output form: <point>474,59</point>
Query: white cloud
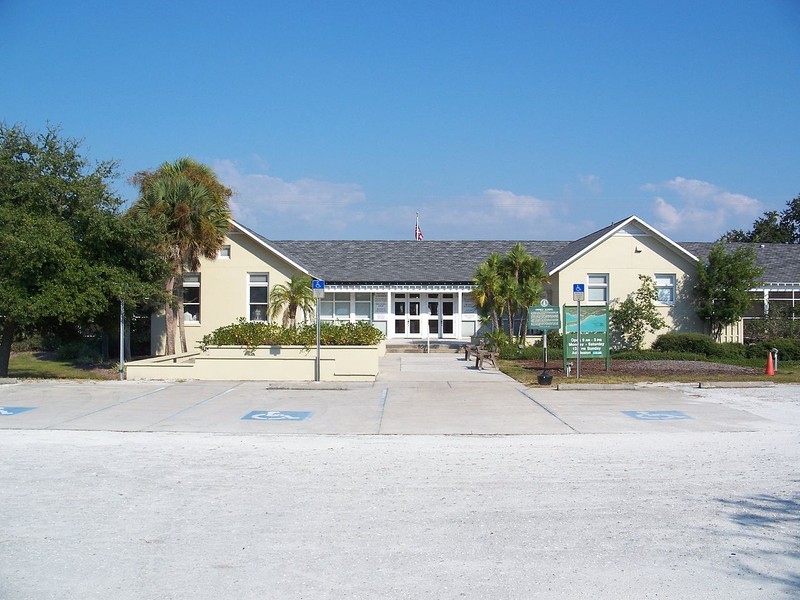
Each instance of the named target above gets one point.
<point>697,209</point>
<point>310,208</point>
<point>496,214</point>
<point>279,209</point>
<point>520,206</point>
<point>591,183</point>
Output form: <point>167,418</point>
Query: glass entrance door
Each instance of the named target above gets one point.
<point>423,315</point>
<point>441,315</point>
<point>407,315</point>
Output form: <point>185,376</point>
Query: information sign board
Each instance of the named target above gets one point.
<point>544,318</point>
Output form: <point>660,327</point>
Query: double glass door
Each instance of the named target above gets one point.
<point>424,315</point>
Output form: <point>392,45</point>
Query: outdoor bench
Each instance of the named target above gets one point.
<point>481,354</point>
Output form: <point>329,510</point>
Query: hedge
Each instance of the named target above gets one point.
<point>252,335</point>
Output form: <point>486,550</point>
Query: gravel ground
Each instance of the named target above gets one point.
<point>97,515</point>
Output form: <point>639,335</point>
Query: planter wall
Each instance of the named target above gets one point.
<point>268,363</point>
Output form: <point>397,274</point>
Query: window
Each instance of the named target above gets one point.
<point>346,306</point>
<point>665,288</point>
<point>363,306</point>
<point>335,306</point>
<point>224,252</point>
<point>191,297</point>
<point>597,290</point>
<point>258,296</point>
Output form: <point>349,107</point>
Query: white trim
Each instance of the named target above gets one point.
<point>414,288</point>
<point>261,242</point>
<point>614,231</point>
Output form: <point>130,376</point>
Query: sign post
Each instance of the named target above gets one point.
<point>544,317</point>
<point>318,288</point>
<point>121,339</point>
<point>591,324</point>
<point>577,296</point>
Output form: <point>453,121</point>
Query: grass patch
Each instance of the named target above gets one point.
<point>41,365</point>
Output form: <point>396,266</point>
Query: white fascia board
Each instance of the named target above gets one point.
<point>262,243</point>
<point>610,233</point>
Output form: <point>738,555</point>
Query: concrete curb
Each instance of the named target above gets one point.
<point>595,386</point>
<point>736,384</point>
<point>7,381</point>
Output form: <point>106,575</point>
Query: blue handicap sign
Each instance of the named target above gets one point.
<point>318,284</point>
<point>577,288</point>
<point>6,411</point>
<point>276,415</point>
<point>656,415</point>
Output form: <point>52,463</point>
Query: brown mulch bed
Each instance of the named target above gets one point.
<point>649,368</point>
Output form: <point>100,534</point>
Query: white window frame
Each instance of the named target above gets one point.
<point>333,305</point>
<point>255,281</point>
<point>191,317</point>
<point>670,279</point>
<point>596,285</point>
<point>224,252</point>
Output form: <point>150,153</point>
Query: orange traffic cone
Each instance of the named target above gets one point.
<point>770,368</point>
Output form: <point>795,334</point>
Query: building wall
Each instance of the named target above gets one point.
<point>224,292</point>
<point>623,257</point>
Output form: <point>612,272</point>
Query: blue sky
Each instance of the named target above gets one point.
<point>493,120</point>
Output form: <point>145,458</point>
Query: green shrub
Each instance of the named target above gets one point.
<point>251,335</point>
<point>497,340</point>
<point>788,349</point>
<point>80,352</point>
<point>694,343</point>
<point>512,352</point>
<point>729,350</point>
<point>28,344</point>
<point>656,355</point>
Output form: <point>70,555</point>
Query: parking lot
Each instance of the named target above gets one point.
<point>436,481</point>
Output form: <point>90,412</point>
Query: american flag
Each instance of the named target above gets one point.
<point>417,230</point>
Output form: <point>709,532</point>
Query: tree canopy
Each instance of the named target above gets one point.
<point>779,227</point>
<point>724,279</point>
<point>286,299</point>
<point>634,317</point>
<point>66,252</point>
<point>507,286</point>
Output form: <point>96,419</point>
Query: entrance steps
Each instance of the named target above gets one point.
<point>422,346</point>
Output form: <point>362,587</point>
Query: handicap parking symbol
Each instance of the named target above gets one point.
<point>7,411</point>
<point>656,415</point>
<point>276,415</point>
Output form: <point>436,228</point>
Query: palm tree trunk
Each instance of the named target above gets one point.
<point>169,315</point>
<point>7,338</point>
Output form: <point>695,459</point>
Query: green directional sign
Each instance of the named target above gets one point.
<point>544,318</point>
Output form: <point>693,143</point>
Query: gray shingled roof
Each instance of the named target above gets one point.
<point>455,262</point>
<point>781,262</point>
<point>407,261</point>
<point>572,248</point>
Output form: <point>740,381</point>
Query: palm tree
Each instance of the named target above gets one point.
<point>191,208</point>
<point>297,293</point>
<point>529,292</point>
<point>507,286</point>
<point>516,265</point>
<point>487,288</point>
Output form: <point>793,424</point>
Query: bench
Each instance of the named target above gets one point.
<point>481,355</point>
